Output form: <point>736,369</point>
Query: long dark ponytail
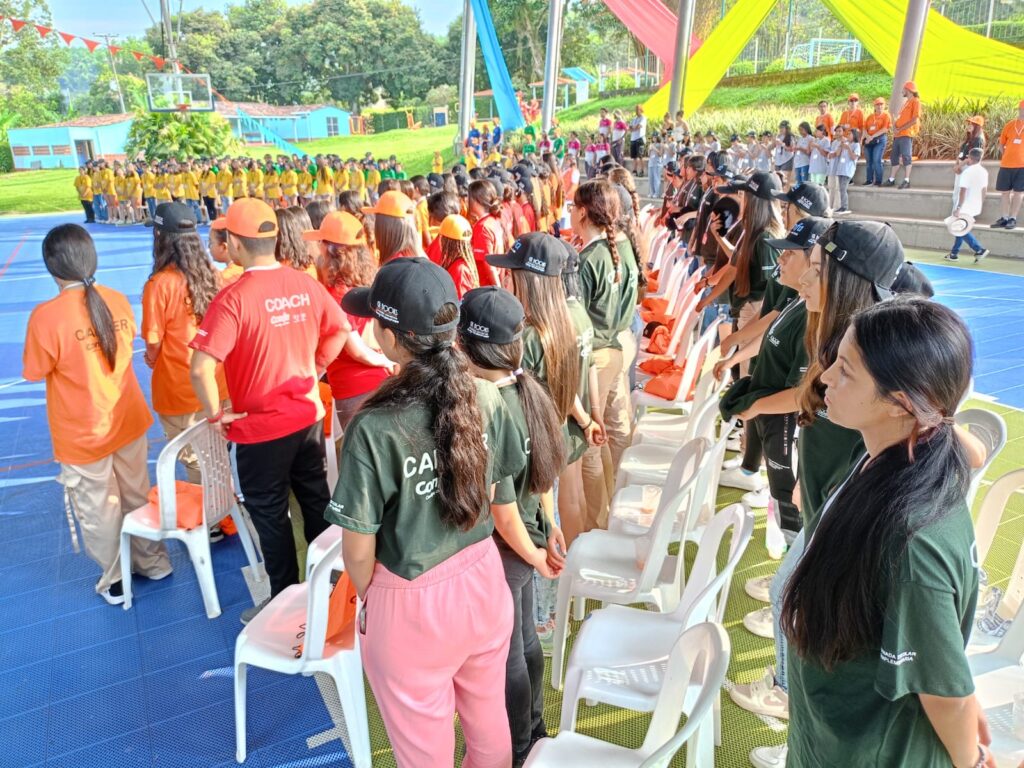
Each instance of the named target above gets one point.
<point>833,607</point>
<point>547,446</point>
<point>70,254</point>
<point>438,377</point>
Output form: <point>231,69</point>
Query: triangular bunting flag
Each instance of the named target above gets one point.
<point>66,37</point>
<point>114,49</point>
<point>17,24</point>
<point>138,55</point>
<point>43,31</point>
<point>90,44</point>
<point>159,61</point>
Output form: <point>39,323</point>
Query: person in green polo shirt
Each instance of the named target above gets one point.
<point>880,608</point>
<point>608,290</point>
<point>491,327</point>
<point>424,471</point>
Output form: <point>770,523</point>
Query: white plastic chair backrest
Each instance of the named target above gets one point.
<point>702,421</point>
<point>317,603</point>
<point>211,449</point>
<point>656,252</point>
<point>992,508</point>
<point>683,323</point>
<point>705,585</point>
<point>695,360</point>
<point>990,428</point>
<point>699,657</point>
<point>708,486</point>
<point>658,537</point>
<point>671,291</point>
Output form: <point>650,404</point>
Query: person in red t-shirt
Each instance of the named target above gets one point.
<point>488,234</point>
<point>457,258</point>
<point>275,329</point>
<point>440,205</point>
<point>346,262</point>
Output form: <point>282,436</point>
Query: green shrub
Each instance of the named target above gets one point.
<point>742,68</point>
<point>160,136</point>
<point>779,65</point>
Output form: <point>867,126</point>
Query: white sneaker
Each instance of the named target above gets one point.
<point>757,499</point>
<point>735,463</point>
<point>769,757</point>
<point>758,588</point>
<point>760,623</point>
<point>737,478</point>
<point>762,697</point>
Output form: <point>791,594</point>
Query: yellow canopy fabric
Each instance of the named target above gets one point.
<point>713,59</point>
<point>954,62</point>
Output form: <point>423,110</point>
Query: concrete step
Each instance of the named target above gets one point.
<point>932,174</point>
<point>914,203</point>
<point>932,234</point>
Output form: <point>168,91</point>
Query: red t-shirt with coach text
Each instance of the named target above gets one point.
<point>273,328</point>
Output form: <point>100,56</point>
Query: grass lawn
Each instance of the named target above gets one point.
<point>38,192</point>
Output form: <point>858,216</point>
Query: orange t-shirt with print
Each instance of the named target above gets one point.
<point>167,320</point>
<point>1012,139</point>
<point>853,118</point>
<point>874,123</point>
<point>911,109</point>
<point>827,121</point>
<point>93,411</point>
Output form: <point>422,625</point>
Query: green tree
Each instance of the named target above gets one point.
<point>159,136</point>
<point>30,65</point>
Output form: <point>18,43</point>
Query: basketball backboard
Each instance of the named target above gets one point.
<point>178,92</point>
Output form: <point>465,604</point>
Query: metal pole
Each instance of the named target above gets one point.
<point>551,64</point>
<point>466,82</point>
<point>789,35</point>
<point>684,23</point>
<point>113,68</point>
<point>991,13</point>
<point>910,48</point>
<point>172,49</point>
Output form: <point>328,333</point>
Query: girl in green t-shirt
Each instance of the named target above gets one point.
<point>491,334</point>
<point>880,608</point>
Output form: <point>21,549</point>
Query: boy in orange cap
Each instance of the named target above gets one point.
<point>275,329</point>
<point>1010,181</point>
<point>908,125</point>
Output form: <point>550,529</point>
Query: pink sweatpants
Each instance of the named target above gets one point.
<point>437,645</point>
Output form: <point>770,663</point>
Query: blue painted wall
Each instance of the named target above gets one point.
<point>303,127</point>
<point>107,141</point>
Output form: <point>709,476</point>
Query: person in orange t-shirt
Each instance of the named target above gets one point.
<point>875,137</point>
<point>908,125</point>
<point>174,300</point>
<point>218,244</point>
<point>276,330</point>
<point>824,118</point>
<point>80,343</point>
<point>852,116</point>
<point>1010,180</point>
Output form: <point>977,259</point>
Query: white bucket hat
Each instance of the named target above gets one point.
<point>958,226</point>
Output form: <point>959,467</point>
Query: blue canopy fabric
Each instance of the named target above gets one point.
<point>497,71</point>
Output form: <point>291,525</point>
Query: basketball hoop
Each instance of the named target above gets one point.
<point>183,109</point>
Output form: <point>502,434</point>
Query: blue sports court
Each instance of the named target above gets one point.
<point>85,684</point>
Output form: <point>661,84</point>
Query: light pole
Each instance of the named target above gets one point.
<point>910,48</point>
<point>466,82</point>
<point>684,24</point>
<point>113,68</point>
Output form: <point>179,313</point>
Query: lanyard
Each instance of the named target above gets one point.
<point>832,497</point>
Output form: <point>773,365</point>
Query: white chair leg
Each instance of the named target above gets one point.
<point>352,695</point>
<point>241,518</point>
<point>561,629</point>
<point>240,675</point>
<point>198,543</point>
<point>570,697</point>
<point>126,568</point>
<point>579,608</point>
<point>718,719</point>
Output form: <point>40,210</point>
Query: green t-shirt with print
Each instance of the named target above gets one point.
<point>776,296</point>
<point>826,453</point>
<point>558,147</point>
<point>599,293</point>
<point>387,483</point>
<point>529,148</point>
<point>782,359</point>
<point>867,712</point>
<point>584,345</point>
<point>537,524</point>
<point>762,263</point>
<point>626,310</point>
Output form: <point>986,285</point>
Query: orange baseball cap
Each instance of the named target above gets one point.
<point>249,217</point>
<point>910,85</point>
<point>456,227</point>
<point>853,97</point>
<point>880,100</point>
<point>977,120</point>
<point>394,204</point>
<point>339,227</point>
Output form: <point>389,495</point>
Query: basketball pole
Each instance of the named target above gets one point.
<point>467,81</point>
<point>172,49</point>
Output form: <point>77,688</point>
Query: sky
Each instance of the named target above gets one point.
<point>129,17</point>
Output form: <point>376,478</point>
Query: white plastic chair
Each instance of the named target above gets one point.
<point>331,448</point>
<point>619,653</point>
<point>299,614</point>
<point>621,569</point>
<point>692,678</point>
<point>992,507</point>
<point>319,547</point>
<point>648,463</point>
<point>682,333</point>
<point>642,400</point>
<point>990,428</point>
<point>661,428</point>
<point>159,522</point>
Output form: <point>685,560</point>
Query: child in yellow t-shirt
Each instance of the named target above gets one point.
<point>437,166</point>
<point>340,178</point>
<point>239,182</point>
<point>324,182</point>
<point>290,185</point>
<point>255,181</point>
<point>83,186</point>
<point>356,180</point>
<point>133,195</point>
<point>305,186</point>
<point>272,186</point>
<point>225,178</point>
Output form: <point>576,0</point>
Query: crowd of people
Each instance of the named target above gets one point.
<point>478,330</point>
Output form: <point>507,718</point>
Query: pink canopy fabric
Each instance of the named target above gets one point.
<point>654,25</point>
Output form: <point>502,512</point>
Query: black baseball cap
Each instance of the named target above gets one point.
<point>525,185</point>
<point>406,295</point>
<point>672,168</point>
<point>723,170</point>
<point>435,180</point>
<point>759,184</point>
<point>491,314</point>
<point>536,252</point>
<point>803,236</point>
<point>913,280</point>
<point>173,217</point>
<point>869,249</point>
<point>807,196</point>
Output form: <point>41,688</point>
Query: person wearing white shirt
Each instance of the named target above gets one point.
<point>802,156</point>
<point>843,157</point>
<point>637,134</point>
<point>973,185</point>
<point>820,148</point>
